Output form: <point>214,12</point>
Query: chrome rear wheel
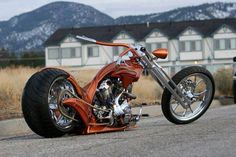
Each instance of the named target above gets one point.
<point>59,120</point>
<point>40,103</point>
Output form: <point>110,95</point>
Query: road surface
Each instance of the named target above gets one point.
<point>213,135</point>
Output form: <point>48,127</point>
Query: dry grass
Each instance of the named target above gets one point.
<point>83,77</point>
<point>12,82</point>
<point>146,89</point>
<point>224,81</point>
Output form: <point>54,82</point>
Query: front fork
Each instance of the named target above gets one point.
<point>165,81</point>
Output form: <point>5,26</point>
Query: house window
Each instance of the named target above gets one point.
<point>187,46</point>
<point>93,51</point>
<point>233,43</point>
<point>152,46</point>
<point>190,46</point>
<point>222,44</point>
<point>225,44</point>
<point>216,44</point>
<point>198,45</point>
<point>66,52</point>
<point>117,50</point>
<point>78,52</point>
<point>53,53</point>
<point>71,52</point>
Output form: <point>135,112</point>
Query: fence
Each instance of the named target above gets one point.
<point>171,70</point>
<point>32,62</point>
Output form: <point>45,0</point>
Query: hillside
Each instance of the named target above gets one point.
<point>30,30</point>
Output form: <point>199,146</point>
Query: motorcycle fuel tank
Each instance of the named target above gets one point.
<point>127,74</point>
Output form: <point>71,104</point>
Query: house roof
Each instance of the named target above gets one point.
<point>140,31</point>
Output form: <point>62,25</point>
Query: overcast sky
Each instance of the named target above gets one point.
<point>114,8</point>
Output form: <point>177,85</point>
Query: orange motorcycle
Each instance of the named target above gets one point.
<point>54,104</point>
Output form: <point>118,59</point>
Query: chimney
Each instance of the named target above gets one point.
<point>148,24</point>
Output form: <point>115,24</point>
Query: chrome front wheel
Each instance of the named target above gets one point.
<point>197,84</point>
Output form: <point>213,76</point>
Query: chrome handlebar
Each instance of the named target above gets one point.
<point>85,38</point>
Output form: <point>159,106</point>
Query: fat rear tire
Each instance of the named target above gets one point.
<point>35,103</point>
<point>166,97</point>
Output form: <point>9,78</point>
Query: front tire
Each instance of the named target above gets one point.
<point>40,106</point>
<point>198,84</point>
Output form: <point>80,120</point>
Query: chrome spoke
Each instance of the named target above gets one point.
<point>60,120</point>
<point>177,105</point>
<point>55,89</point>
<point>199,82</point>
<point>53,106</point>
<point>198,94</point>
<point>190,108</point>
<point>184,113</point>
<point>198,99</point>
<point>53,115</point>
<point>200,103</point>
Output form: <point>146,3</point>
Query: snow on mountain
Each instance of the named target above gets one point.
<point>30,30</point>
<point>217,10</point>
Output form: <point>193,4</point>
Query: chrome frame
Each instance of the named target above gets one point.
<point>157,72</point>
<point>162,78</point>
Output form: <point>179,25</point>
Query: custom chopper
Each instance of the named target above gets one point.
<point>54,104</point>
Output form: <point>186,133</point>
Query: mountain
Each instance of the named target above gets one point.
<point>28,31</point>
<point>216,10</point>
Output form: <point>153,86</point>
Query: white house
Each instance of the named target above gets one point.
<point>207,43</point>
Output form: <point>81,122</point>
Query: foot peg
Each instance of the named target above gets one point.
<point>136,117</point>
<point>140,114</point>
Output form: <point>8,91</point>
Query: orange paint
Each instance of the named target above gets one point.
<point>128,72</point>
<point>160,53</point>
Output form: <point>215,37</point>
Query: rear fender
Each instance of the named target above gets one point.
<point>82,109</point>
<point>79,90</point>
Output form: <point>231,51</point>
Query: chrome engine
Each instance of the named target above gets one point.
<point>110,95</point>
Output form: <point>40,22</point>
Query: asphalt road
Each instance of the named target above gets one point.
<point>212,135</point>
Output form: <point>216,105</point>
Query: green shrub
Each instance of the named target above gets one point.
<point>224,81</point>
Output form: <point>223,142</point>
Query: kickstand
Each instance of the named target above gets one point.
<point>140,113</point>
<point>136,117</point>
